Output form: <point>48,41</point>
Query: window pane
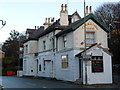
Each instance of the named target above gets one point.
<point>64,61</point>
<point>90,38</point>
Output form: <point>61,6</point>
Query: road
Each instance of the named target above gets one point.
<point>15,82</point>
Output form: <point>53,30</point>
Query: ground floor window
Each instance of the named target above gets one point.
<point>64,61</point>
<point>97,64</point>
<point>40,67</point>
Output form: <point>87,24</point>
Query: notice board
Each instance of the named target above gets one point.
<point>97,65</point>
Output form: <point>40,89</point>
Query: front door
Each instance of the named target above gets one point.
<point>48,68</point>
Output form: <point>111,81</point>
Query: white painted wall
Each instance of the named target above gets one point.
<point>64,18</point>
<point>46,60</point>
<point>104,77</point>
<point>100,35</point>
<point>48,40</point>
<point>29,63</point>
<point>70,41</point>
<point>32,47</point>
<point>67,74</point>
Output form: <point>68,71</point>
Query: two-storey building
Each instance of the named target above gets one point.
<point>57,49</point>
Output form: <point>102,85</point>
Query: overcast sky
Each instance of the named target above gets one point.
<point>22,14</point>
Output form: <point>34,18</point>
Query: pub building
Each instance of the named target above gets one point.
<point>95,65</point>
<point>57,49</point>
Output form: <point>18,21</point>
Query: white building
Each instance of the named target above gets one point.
<point>55,49</point>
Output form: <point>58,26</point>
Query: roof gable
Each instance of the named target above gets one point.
<point>77,24</point>
<point>91,16</point>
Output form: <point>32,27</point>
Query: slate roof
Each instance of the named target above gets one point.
<point>75,25</point>
<point>36,34</point>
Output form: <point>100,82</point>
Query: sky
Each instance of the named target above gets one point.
<point>22,14</point>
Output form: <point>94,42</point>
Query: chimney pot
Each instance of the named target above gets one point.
<point>65,7</point>
<point>35,27</point>
<point>45,20</point>
<point>62,7</point>
<point>90,9</point>
<point>49,20</point>
<point>86,9</point>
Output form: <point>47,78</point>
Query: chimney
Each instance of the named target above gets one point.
<point>62,7</point>
<point>45,20</point>
<point>47,23</point>
<point>90,9</point>
<point>48,20</point>
<point>86,10</point>
<point>35,27</point>
<point>65,7</point>
<point>64,15</point>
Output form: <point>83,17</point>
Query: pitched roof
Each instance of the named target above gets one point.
<point>34,34</point>
<point>92,46</point>
<point>75,25</point>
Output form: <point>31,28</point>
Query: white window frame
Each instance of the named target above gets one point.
<point>90,38</point>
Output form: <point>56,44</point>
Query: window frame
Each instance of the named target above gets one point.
<point>97,63</point>
<point>64,63</point>
<point>64,41</point>
<point>89,38</point>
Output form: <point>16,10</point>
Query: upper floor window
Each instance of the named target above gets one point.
<point>65,41</point>
<point>90,38</point>
<point>64,61</point>
<point>44,45</point>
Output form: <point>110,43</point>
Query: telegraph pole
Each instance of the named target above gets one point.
<point>85,43</point>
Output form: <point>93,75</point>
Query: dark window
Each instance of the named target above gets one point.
<point>97,64</point>
<point>31,70</point>
<point>44,65</point>
<point>44,45</point>
<point>40,67</point>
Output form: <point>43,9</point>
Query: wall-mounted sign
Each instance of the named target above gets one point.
<point>97,66</point>
<point>86,57</point>
<point>90,26</point>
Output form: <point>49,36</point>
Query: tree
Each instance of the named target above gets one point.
<point>11,46</point>
<point>109,14</point>
<point>12,52</point>
<point>14,35</point>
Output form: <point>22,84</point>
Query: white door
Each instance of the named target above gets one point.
<point>48,68</point>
